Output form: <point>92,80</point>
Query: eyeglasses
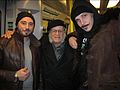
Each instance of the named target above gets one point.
<point>25,23</point>
<point>55,31</point>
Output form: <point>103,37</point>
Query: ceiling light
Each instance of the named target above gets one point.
<point>95,3</point>
<point>63,1</point>
<point>112,3</point>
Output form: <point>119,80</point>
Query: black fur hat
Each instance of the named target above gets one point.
<point>54,23</point>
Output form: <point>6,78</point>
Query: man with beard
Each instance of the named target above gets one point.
<point>19,56</point>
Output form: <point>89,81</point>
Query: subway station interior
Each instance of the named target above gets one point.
<point>43,11</point>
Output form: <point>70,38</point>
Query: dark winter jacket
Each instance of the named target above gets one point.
<point>12,59</point>
<point>57,75</point>
<point>100,59</point>
<point>104,58</point>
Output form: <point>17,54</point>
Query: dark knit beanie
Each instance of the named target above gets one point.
<point>22,15</point>
<point>54,23</point>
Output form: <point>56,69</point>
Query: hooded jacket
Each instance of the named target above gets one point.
<point>99,63</point>
<point>80,6</point>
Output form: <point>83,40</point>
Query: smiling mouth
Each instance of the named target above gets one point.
<point>57,38</point>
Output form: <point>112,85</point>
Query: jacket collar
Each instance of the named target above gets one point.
<point>33,40</point>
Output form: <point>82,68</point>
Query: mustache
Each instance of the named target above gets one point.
<point>84,26</point>
<point>27,30</point>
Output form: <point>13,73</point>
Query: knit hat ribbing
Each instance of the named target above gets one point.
<point>22,15</point>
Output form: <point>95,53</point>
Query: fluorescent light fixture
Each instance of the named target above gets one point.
<point>63,1</point>
<point>95,3</point>
<point>112,3</point>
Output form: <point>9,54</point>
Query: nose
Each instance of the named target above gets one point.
<point>27,25</point>
<point>57,32</point>
<point>82,21</point>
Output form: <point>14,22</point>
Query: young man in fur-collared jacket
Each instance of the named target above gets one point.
<point>97,44</point>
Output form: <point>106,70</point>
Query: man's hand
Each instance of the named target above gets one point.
<point>23,74</point>
<point>73,42</point>
<point>8,34</point>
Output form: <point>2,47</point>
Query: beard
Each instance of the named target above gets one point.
<point>25,33</point>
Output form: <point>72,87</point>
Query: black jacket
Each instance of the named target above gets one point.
<point>57,75</point>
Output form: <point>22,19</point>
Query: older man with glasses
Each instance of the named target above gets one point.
<point>57,58</point>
